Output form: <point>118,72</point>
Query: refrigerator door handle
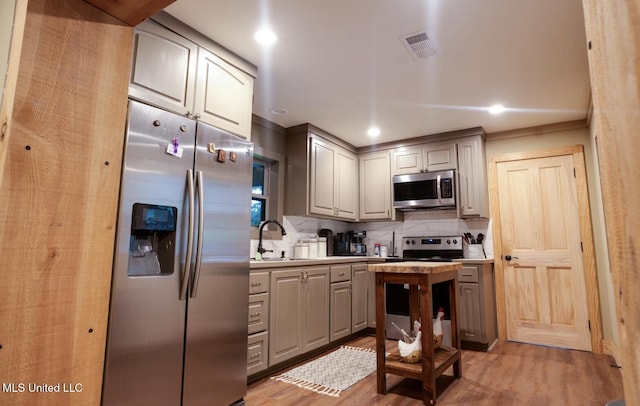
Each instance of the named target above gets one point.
<point>196,275</point>
<point>187,260</point>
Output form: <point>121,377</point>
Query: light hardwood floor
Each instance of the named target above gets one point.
<point>511,374</point>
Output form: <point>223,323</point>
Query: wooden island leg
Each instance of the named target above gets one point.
<point>380,335</point>
<point>426,312</point>
<point>455,332</point>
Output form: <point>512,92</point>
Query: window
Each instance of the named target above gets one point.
<point>259,192</point>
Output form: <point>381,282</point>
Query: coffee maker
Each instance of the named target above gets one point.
<point>350,243</point>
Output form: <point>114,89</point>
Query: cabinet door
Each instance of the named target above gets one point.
<point>470,312</point>
<point>371,299</point>
<point>472,185</point>
<point>375,186</point>
<point>285,319</point>
<point>439,156</point>
<point>340,321</point>
<point>258,312</point>
<point>346,186</point>
<point>406,160</point>
<point>224,95</point>
<point>163,68</point>
<point>315,308</point>
<point>257,349</point>
<point>322,180</point>
<point>359,305</point>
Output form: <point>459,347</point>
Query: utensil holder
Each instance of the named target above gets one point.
<point>474,251</point>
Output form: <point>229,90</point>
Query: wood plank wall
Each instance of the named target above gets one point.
<point>60,162</point>
<point>613,29</point>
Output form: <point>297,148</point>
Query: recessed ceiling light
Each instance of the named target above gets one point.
<point>496,109</point>
<point>265,36</point>
<point>373,132</point>
<point>278,112</point>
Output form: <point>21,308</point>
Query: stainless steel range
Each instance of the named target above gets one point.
<point>434,249</point>
<point>424,248</point>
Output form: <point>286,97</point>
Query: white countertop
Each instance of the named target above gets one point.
<point>277,263</point>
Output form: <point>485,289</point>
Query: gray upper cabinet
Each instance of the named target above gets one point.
<point>439,156</point>
<point>473,193</point>
<point>375,186</point>
<point>224,94</point>
<point>178,69</point>
<point>321,176</point>
<point>429,157</point>
<point>163,69</point>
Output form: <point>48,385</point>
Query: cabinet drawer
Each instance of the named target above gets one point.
<point>468,274</point>
<point>258,312</point>
<point>340,273</point>
<point>257,357</point>
<point>258,282</point>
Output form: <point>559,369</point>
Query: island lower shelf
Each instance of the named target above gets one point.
<point>443,358</point>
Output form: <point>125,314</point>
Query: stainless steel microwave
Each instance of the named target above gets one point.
<point>426,190</point>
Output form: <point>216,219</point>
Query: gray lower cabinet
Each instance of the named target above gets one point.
<point>478,329</point>
<point>340,307</point>
<point>299,311</point>
<point>257,352</point>
<point>258,341</point>
<point>340,310</point>
<point>359,305</point>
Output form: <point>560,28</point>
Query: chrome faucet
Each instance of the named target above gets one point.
<point>261,250</point>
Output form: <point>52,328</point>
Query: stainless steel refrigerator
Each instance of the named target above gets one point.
<point>179,303</point>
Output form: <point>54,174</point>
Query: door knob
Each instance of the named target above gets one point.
<point>509,257</point>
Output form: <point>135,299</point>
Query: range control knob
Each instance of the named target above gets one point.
<point>413,242</point>
<point>408,242</point>
<point>448,241</point>
<point>455,241</point>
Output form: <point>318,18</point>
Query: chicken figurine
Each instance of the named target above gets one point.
<point>437,329</point>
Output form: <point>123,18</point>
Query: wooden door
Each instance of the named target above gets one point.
<point>545,295</point>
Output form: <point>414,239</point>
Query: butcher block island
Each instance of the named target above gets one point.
<point>420,276</point>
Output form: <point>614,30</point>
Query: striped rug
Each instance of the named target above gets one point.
<point>334,372</point>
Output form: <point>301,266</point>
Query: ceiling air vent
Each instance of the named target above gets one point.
<point>420,45</point>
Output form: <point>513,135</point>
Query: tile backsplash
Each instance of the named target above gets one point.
<point>416,223</point>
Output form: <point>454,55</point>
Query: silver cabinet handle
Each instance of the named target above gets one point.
<point>256,355</point>
<point>196,275</point>
<point>187,260</point>
<point>341,274</point>
<point>256,284</point>
<point>255,314</point>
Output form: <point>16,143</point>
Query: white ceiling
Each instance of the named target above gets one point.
<point>341,66</point>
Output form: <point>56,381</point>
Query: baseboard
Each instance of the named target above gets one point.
<point>611,348</point>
